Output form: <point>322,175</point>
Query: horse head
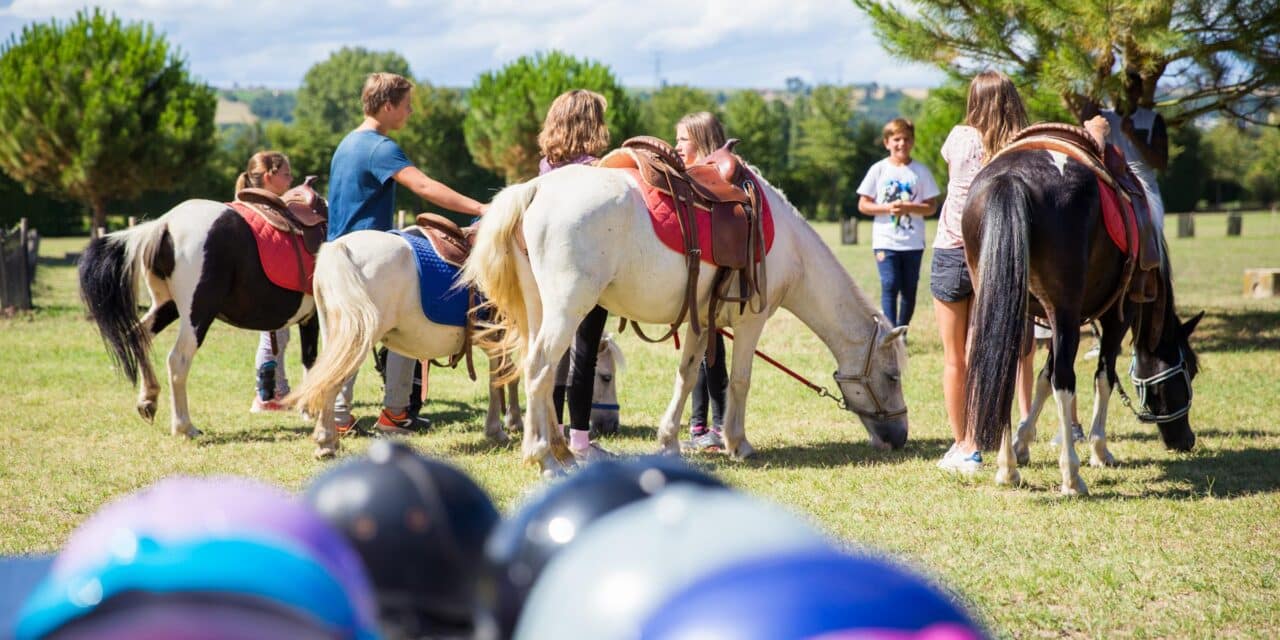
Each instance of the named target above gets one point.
<point>874,393</point>
<point>1162,372</point>
<point>604,399</point>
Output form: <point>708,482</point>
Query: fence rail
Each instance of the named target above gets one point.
<point>19,247</point>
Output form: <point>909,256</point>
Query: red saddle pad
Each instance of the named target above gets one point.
<point>1118,217</point>
<point>279,252</point>
<point>662,213</point>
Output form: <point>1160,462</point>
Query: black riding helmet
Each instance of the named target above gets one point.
<point>522,545</point>
<point>419,525</point>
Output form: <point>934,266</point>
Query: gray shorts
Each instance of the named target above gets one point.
<point>949,276</point>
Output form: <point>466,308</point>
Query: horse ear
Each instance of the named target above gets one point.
<point>894,335</point>
<point>1190,325</point>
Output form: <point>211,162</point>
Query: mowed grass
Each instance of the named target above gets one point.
<point>1168,545</point>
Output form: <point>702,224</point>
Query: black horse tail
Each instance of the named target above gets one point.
<point>999,310</point>
<point>109,273</point>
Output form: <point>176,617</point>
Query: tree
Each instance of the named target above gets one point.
<point>507,108</point>
<point>1212,55</point>
<point>826,151</point>
<point>434,138</point>
<point>762,129</point>
<point>329,106</point>
<point>1183,182</point>
<point>1230,152</point>
<point>1263,177</point>
<point>667,105</point>
<point>95,109</point>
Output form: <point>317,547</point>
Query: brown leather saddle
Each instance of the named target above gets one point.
<point>300,211</point>
<point>1109,164</point>
<point>721,186</point>
<point>453,244</point>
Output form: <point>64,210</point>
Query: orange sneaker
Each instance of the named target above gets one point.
<point>399,423</point>
<point>347,428</point>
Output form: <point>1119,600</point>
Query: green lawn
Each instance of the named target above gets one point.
<point>1168,545</point>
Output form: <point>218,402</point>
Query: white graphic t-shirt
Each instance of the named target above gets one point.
<point>887,182</point>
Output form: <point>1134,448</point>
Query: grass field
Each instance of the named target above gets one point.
<point>1168,545</point>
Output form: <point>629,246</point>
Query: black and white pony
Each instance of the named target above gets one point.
<point>1035,239</point>
<point>199,262</point>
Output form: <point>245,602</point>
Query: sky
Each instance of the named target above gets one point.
<point>705,43</point>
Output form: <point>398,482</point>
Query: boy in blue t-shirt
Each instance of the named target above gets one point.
<point>899,192</point>
<point>362,191</point>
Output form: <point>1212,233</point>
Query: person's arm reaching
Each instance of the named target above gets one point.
<point>437,193</point>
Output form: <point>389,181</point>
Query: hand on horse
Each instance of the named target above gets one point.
<point>1098,127</point>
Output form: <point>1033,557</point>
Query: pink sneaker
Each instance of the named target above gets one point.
<point>259,405</point>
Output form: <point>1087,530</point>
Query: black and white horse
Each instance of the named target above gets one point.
<point>1035,238</point>
<point>199,262</point>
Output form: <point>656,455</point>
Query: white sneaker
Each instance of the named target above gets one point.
<point>955,446</point>
<point>591,454</point>
<point>967,464</point>
<point>1093,353</point>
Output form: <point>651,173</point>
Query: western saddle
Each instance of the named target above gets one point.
<point>721,186</point>
<point>453,244</point>
<point>301,211</point>
<point>1108,163</point>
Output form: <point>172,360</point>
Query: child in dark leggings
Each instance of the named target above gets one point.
<point>575,133</point>
<point>697,136</point>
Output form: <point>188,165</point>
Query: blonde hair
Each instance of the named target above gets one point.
<point>260,164</point>
<point>574,127</point>
<point>995,110</point>
<point>898,127</point>
<point>382,89</point>
<point>705,131</point>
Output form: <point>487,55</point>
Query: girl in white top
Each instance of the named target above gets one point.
<point>993,115</point>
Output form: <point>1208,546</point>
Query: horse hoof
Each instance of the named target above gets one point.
<point>499,438</point>
<point>1105,461</point>
<point>744,451</point>
<point>324,453</point>
<point>1008,478</point>
<point>147,410</point>
<point>189,432</point>
<point>1079,490</point>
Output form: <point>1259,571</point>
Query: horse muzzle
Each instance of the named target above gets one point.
<point>1177,434</point>
<point>604,421</point>
<point>889,431</point>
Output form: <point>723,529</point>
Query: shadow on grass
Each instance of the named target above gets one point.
<point>67,260</point>
<point>1218,474</point>
<point>1224,330</point>
<point>212,436</point>
<point>840,453</point>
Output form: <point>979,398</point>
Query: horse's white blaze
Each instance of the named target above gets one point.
<point>1100,456</point>
<point>1059,160</point>
<point>1068,462</point>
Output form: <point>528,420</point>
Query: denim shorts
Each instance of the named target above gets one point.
<point>949,276</point>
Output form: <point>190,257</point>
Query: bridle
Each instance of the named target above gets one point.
<point>1142,386</point>
<point>862,379</point>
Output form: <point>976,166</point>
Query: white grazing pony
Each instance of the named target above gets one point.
<point>590,240</point>
<point>366,290</point>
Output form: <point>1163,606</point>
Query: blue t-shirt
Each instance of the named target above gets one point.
<point>362,188</point>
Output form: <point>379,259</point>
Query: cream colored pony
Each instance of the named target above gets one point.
<point>590,241</point>
<point>366,290</point>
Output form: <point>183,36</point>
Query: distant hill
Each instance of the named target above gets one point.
<point>263,103</point>
<point>231,113</point>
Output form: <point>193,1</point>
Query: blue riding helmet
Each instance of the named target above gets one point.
<point>212,571</point>
<point>808,595</point>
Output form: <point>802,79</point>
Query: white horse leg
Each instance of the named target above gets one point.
<point>1027,429</point>
<point>543,440</point>
<point>695,346</point>
<point>1007,462</point>
<point>745,338</point>
<point>184,351</point>
<point>493,417</point>
<point>1099,455</point>
<point>1068,462</point>
<point>325,433</point>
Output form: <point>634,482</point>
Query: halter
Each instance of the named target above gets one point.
<point>1141,386</point>
<point>861,378</point>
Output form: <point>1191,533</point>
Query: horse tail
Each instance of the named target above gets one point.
<point>999,310</point>
<point>348,319</point>
<point>109,271</point>
<point>494,268</point>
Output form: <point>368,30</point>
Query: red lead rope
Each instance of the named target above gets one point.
<point>779,365</point>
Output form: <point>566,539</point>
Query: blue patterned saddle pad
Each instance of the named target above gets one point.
<point>441,303</point>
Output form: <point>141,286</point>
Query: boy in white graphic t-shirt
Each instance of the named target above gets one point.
<point>899,192</point>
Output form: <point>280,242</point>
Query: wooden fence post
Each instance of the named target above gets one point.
<point>133,221</point>
<point>848,230</point>
<point>1186,225</point>
<point>1234,222</point>
<point>400,219</point>
<point>24,271</point>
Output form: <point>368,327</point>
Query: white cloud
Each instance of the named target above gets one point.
<point>726,43</point>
